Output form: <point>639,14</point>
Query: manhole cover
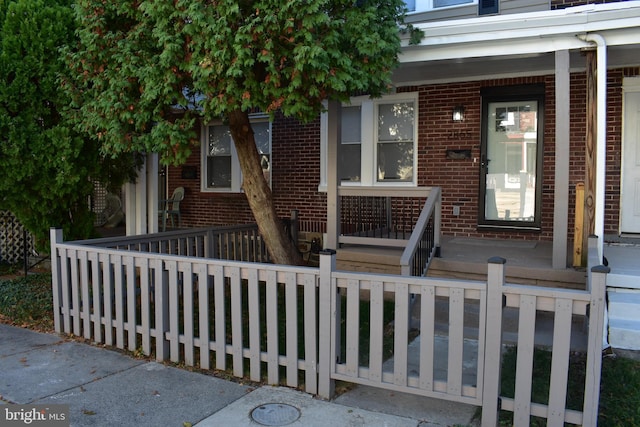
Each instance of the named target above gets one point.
<point>275,414</point>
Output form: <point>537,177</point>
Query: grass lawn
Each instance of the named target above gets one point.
<point>27,302</point>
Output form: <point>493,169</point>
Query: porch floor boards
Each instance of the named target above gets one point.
<point>528,262</point>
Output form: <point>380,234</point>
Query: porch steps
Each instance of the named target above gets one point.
<point>624,318</point>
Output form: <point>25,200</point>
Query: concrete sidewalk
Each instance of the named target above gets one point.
<point>107,388</point>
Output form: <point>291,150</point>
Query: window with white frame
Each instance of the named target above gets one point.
<point>426,5</point>
<point>220,165</point>
<point>377,141</point>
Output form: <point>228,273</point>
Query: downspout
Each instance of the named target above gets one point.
<point>601,134</point>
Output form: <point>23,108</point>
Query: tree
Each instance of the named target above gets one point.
<point>144,65</point>
<point>46,167</point>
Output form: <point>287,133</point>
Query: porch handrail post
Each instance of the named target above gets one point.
<point>56,238</point>
<point>437,224</point>
<point>493,342</point>
<point>326,358</point>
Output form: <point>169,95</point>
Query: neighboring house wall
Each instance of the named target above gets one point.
<point>296,161</point>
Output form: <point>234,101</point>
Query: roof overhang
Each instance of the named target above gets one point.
<point>518,44</point>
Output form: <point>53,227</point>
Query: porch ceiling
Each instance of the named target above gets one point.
<point>480,68</point>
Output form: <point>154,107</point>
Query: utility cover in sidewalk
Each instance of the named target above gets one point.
<point>275,414</point>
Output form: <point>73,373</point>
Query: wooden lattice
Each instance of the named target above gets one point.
<point>12,241</point>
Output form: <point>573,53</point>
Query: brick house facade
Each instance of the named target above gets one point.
<point>296,161</point>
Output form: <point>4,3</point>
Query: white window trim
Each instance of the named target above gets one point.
<point>369,133</point>
<point>427,6</point>
<point>236,174</point>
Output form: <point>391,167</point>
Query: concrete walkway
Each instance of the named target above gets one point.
<point>107,388</point>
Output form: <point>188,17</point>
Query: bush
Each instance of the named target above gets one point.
<point>27,301</point>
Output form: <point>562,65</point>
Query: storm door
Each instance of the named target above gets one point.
<point>511,157</point>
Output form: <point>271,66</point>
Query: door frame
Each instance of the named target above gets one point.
<point>505,94</point>
<point>629,85</point>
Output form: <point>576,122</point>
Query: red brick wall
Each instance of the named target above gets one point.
<point>296,161</point>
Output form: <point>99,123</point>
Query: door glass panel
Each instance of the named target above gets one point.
<point>511,161</point>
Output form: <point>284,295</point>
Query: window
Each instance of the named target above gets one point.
<point>220,165</point>
<point>378,139</point>
<point>426,5</point>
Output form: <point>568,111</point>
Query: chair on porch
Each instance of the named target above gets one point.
<point>171,208</point>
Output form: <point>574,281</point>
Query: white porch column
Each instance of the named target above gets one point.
<point>333,201</point>
<point>152,193</point>
<point>561,193</point>
<point>130,208</point>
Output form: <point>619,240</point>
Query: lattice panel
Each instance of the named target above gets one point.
<point>12,239</point>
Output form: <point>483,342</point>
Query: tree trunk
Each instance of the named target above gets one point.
<point>256,188</point>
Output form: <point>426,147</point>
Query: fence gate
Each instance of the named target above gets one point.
<point>409,336</point>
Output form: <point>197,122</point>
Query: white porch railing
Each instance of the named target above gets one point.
<point>282,324</point>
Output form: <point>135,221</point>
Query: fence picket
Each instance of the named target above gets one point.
<point>291,317</point>
<point>456,342</point>
<point>310,333</point>
<point>187,297</point>
<point>161,309</point>
<point>174,311</point>
<point>524,361</point>
<point>427,328</point>
<point>107,286</point>
<point>376,323</point>
<point>272,328</point>
<point>560,362</point>
<point>86,302</point>
<point>145,304</point>
<point>253,289</point>
<point>203,314</point>
<point>237,332</point>
<point>131,285</point>
<point>75,287</point>
<point>401,334</point>
<point>96,282</point>
<point>352,344</point>
<point>219,309</point>
<point>119,301</point>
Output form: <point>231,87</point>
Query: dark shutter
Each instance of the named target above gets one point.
<point>486,7</point>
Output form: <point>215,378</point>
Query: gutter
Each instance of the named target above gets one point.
<point>601,134</point>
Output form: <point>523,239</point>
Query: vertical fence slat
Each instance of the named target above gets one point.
<point>161,309</point>
<point>560,362</point>
<point>376,320</point>
<point>187,292</point>
<point>327,324</point>
<point>107,288</point>
<point>145,306</point>
<point>352,344</point>
<point>203,314</point>
<point>96,284</point>
<point>253,289</point>
<point>220,317</point>
<point>75,291</point>
<point>236,321</point>
<point>174,315</point>
<point>427,329</point>
<point>131,285</point>
<point>310,334</point>
<point>119,301</point>
<point>401,334</point>
<point>272,328</point>
<point>86,302</point>
<point>524,364</point>
<point>456,342</point>
<point>291,317</point>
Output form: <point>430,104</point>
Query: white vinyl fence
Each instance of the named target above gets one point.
<point>307,327</point>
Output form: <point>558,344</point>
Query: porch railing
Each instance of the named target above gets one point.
<point>288,325</point>
<point>394,217</point>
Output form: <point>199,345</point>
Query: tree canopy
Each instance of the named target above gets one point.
<point>147,71</point>
<point>46,166</point>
